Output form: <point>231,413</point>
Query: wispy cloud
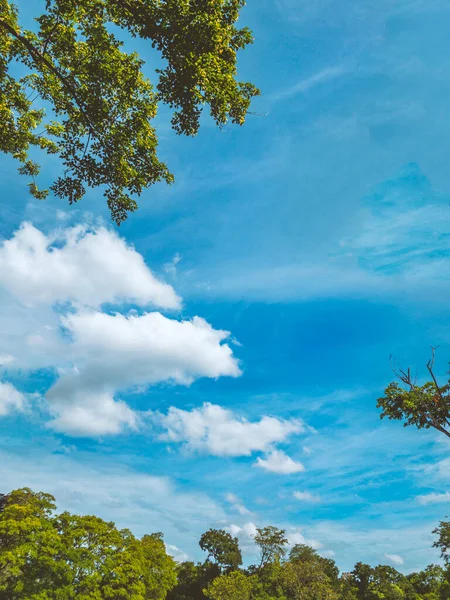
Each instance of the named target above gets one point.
<point>395,559</point>
<point>400,245</point>
<point>306,497</point>
<point>304,85</point>
<point>433,498</point>
<point>236,504</point>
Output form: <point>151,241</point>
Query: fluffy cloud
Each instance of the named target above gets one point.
<point>81,266</point>
<point>85,414</point>
<point>245,534</point>
<point>114,352</point>
<point>149,348</point>
<point>306,497</point>
<point>294,537</point>
<point>395,559</point>
<point>97,355</point>
<point>218,431</point>
<point>278,462</point>
<point>11,400</point>
<point>433,498</point>
<point>177,554</point>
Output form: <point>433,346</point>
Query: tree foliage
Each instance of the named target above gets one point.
<point>50,556</point>
<point>272,543</point>
<point>44,556</point>
<point>308,576</point>
<point>426,406</point>
<point>232,586</point>
<point>222,547</point>
<point>100,104</point>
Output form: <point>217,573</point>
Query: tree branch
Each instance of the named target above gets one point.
<point>37,57</point>
<point>430,365</point>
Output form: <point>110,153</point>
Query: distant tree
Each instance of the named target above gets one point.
<point>381,582</point>
<point>3,499</point>
<point>64,557</point>
<point>30,546</point>
<point>193,579</point>
<point>272,543</point>
<point>304,553</point>
<point>101,102</point>
<point>431,583</point>
<point>222,547</point>
<point>426,406</point>
<point>231,586</point>
<point>308,576</point>
<point>362,578</point>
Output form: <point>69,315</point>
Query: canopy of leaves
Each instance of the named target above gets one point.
<point>102,105</point>
<point>233,586</point>
<point>422,406</point>
<point>272,543</point>
<point>49,556</point>
<point>46,556</point>
<point>222,547</point>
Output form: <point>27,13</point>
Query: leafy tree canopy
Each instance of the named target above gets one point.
<point>44,556</point>
<point>272,543</point>
<point>222,547</point>
<point>100,101</point>
<point>426,406</point>
<point>50,556</point>
<point>232,586</point>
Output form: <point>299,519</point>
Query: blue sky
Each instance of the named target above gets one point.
<point>311,244</point>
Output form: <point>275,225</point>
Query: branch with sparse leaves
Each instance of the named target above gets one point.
<point>424,406</point>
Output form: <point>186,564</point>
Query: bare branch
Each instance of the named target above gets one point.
<point>430,366</point>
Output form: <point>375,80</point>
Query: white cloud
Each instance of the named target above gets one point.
<point>149,348</point>
<point>171,267</point>
<point>433,498</point>
<point>80,266</point>
<point>323,76</point>
<point>294,537</point>
<point>278,462</point>
<point>178,555</point>
<point>306,497</point>
<point>97,355</point>
<point>218,431</point>
<point>84,414</point>
<point>138,500</point>
<point>237,505</point>
<point>397,246</point>
<point>395,559</point>
<point>246,533</point>
<point>11,400</point>
<point>6,359</point>
<point>115,352</point>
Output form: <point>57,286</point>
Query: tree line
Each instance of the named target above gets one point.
<point>46,555</point>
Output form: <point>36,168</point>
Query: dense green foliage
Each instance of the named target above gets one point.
<point>101,103</point>
<point>46,556</point>
<point>49,556</point>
